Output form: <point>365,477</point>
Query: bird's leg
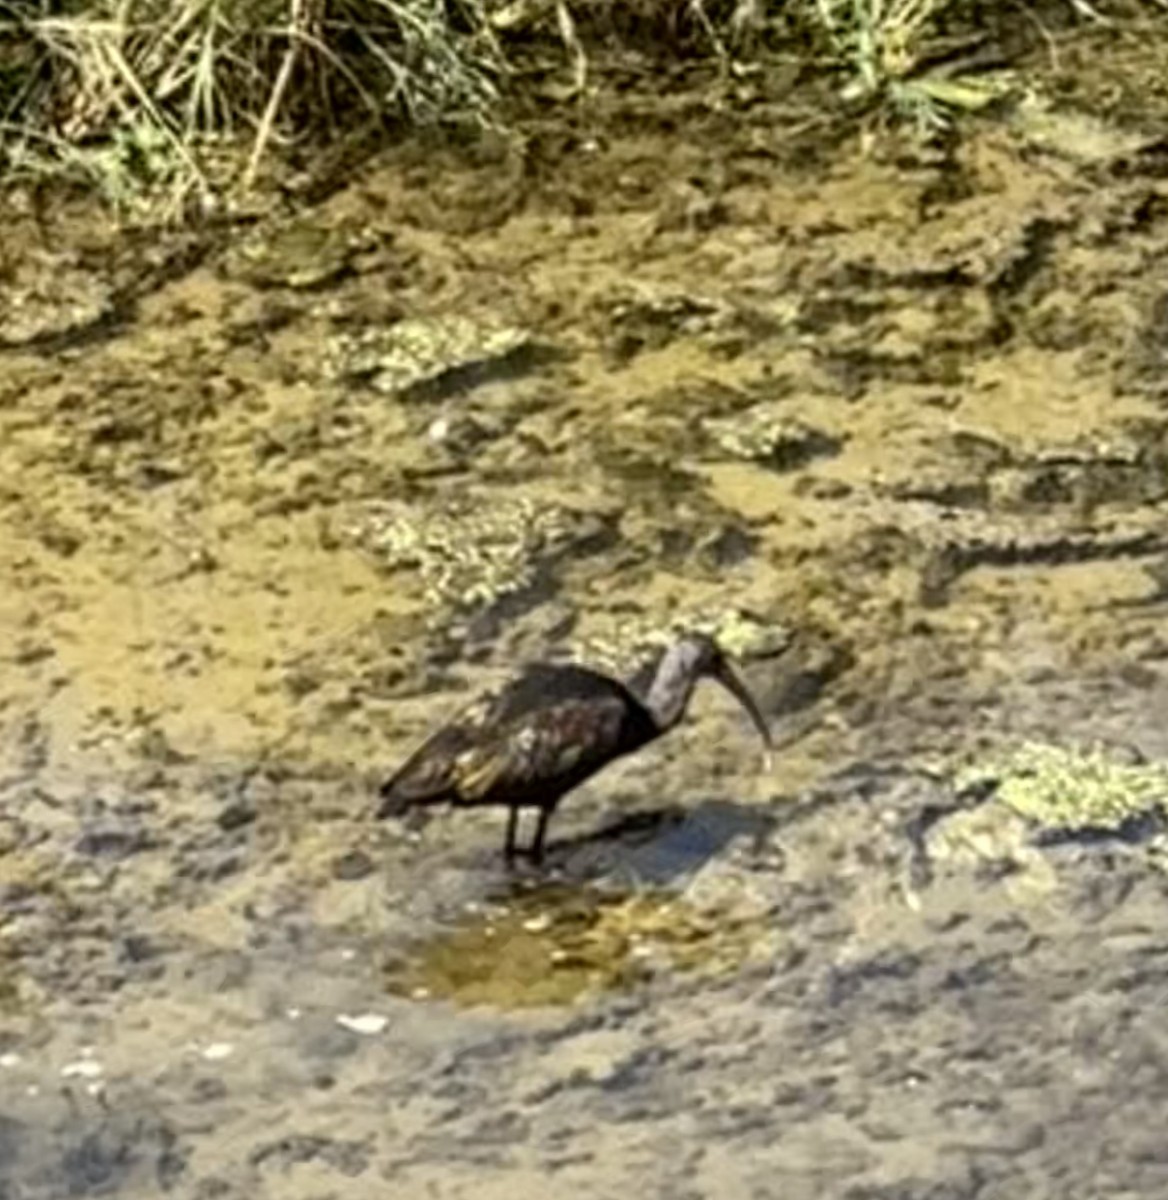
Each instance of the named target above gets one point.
<point>536,851</point>
<point>512,829</point>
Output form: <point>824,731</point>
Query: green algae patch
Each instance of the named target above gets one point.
<point>1063,790</point>
<point>1032,796</point>
<point>556,945</point>
<point>469,554</point>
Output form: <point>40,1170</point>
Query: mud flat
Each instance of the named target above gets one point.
<point>893,423</point>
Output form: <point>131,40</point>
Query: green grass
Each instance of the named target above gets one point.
<point>879,44</point>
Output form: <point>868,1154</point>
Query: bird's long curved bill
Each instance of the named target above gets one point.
<point>730,679</point>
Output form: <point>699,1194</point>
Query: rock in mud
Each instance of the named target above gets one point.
<point>55,297</point>
<point>730,546</point>
<point>765,436</point>
<point>236,815</point>
<point>114,840</point>
<point>353,865</point>
<point>305,254</point>
<point>429,358</point>
<point>650,318</point>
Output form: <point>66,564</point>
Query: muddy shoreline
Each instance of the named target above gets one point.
<point>900,413</point>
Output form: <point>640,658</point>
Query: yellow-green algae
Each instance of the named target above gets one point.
<point>555,945</point>
<point>468,554</point>
<point>1071,789</point>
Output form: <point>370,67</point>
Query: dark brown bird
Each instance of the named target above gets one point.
<point>529,743</point>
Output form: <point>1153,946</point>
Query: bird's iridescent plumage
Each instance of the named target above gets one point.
<point>530,742</point>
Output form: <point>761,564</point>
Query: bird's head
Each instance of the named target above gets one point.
<point>700,655</point>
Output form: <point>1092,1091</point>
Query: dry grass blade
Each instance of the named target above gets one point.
<point>283,76</point>
<point>571,40</point>
<point>169,74</point>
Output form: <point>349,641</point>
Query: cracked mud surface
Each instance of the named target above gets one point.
<point>905,412</point>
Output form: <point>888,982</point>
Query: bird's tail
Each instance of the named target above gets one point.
<point>393,801</point>
<point>397,798</point>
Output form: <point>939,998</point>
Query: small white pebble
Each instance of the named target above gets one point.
<point>348,955</point>
<point>365,1023</point>
<point>9,1060</point>
<point>84,1067</point>
<point>32,1090</point>
<point>439,430</point>
<point>293,1014</point>
<point>218,1050</point>
<point>95,1089</point>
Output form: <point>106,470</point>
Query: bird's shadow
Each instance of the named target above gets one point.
<point>656,847</point>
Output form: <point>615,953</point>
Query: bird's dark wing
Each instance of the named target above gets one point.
<point>543,684</point>
<point>428,775</point>
<point>544,752</point>
<point>548,728</point>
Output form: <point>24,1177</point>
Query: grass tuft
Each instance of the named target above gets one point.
<point>137,95</point>
<point>880,45</point>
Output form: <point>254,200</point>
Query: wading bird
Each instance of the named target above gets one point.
<point>529,743</point>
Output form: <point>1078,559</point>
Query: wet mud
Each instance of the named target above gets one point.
<point>891,421</point>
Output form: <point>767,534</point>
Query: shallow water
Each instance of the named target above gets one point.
<point>902,410</point>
